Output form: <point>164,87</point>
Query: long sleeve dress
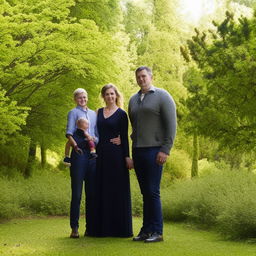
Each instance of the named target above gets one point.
<point>113,200</point>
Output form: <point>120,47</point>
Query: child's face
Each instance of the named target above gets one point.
<point>83,124</point>
<point>81,99</point>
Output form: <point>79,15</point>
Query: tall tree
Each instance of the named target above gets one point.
<point>45,53</point>
<point>228,67</point>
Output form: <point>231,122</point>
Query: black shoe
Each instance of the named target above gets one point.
<point>93,156</point>
<point>67,161</point>
<point>141,236</point>
<point>155,237</point>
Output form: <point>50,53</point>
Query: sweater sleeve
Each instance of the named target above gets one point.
<point>169,119</point>
<point>124,134</point>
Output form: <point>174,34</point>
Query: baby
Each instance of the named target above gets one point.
<point>82,127</point>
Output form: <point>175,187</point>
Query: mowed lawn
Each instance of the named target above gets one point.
<point>49,236</point>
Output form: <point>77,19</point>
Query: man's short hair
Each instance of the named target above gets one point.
<point>78,91</point>
<point>144,68</point>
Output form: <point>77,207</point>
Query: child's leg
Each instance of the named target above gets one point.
<point>91,146</point>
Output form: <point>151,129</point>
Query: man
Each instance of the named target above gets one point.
<point>152,113</point>
<point>81,170</point>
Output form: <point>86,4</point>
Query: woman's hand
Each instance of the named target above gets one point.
<point>129,163</point>
<point>116,140</point>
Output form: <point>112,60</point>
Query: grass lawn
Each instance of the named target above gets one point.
<point>49,236</point>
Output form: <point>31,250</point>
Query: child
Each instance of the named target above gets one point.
<point>82,125</point>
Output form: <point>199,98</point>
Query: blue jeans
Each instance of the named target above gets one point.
<point>149,175</point>
<point>82,171</point>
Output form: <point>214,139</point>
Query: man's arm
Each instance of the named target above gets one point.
<point>169,120</point>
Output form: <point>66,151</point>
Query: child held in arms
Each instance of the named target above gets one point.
<point>83,141</point>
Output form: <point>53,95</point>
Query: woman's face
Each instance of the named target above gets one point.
<point>110,96</point>
<point>81,99</point>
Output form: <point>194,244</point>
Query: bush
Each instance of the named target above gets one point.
<point>47,193</point>
<point>178,166</point>
<point>14,154</point>
<point>205,167</point>
<point>137,202</point>
<point>221,200</point>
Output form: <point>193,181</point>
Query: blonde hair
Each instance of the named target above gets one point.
<point>80,120</point>
<point>119,98</point>
<point>80,90</point>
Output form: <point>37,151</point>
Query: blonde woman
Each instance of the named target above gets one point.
<point>113,201</point>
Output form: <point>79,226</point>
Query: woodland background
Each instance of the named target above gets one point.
<point>205,56</point>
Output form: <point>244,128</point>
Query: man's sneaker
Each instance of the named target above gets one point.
<point>67,161</point>
<point>93,156</point>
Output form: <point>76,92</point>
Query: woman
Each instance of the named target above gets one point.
<point>113,198</point>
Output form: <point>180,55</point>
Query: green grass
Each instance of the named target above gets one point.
<point>49,236</point>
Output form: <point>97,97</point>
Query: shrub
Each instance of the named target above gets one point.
<point>47,193</point>
<point>137,202</point>
<point>221,200</point>
<point>178,166</point>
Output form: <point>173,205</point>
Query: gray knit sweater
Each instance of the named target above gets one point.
<point>153,119</point>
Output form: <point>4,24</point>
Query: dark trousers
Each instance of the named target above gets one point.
<point>82,171</point>
<point>149,175</point>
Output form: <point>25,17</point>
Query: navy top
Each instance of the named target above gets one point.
<point>112,126</point>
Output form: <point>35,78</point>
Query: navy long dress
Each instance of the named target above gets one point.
<point>113,200</point>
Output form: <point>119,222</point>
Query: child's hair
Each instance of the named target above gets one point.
<point>80,120</point>
<point>78,91</point>
<point>119,98</point>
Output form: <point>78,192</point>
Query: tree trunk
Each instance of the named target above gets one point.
<point>43,155</point>
<point>194,168</point>
<point>31,160</point>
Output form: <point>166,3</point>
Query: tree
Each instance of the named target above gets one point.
<point>105,13</point>
<point>228,67</point>
<point>45,55</point>
<point>12,117</point>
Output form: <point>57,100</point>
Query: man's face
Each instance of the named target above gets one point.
<point>81,99</point>
<point>143,79</point>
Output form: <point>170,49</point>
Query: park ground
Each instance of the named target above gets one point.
<point>49,237</point>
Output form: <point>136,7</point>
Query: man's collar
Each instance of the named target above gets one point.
<point>151,89</point>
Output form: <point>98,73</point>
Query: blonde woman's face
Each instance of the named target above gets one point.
<point>110,96</point>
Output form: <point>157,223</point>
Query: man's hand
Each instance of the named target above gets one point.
<point>78,150</point>
<point>116,140</point>
<point>161,158</point>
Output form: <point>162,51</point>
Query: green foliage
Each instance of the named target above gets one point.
<point>12,117</point>
<point>178,166</point>
<point>137,201</point>
<point>14,155</point>
<point>227,65</point>
<point>222,200</point>
<point>105,13</point>
<point>44,194</point>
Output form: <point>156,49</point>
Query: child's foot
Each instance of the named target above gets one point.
<point>67,161</point>
<point>93,156</point>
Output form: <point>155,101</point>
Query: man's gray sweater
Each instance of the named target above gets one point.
<point>153,119</point>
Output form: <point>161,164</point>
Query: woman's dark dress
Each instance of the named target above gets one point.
<point>113,200</point>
